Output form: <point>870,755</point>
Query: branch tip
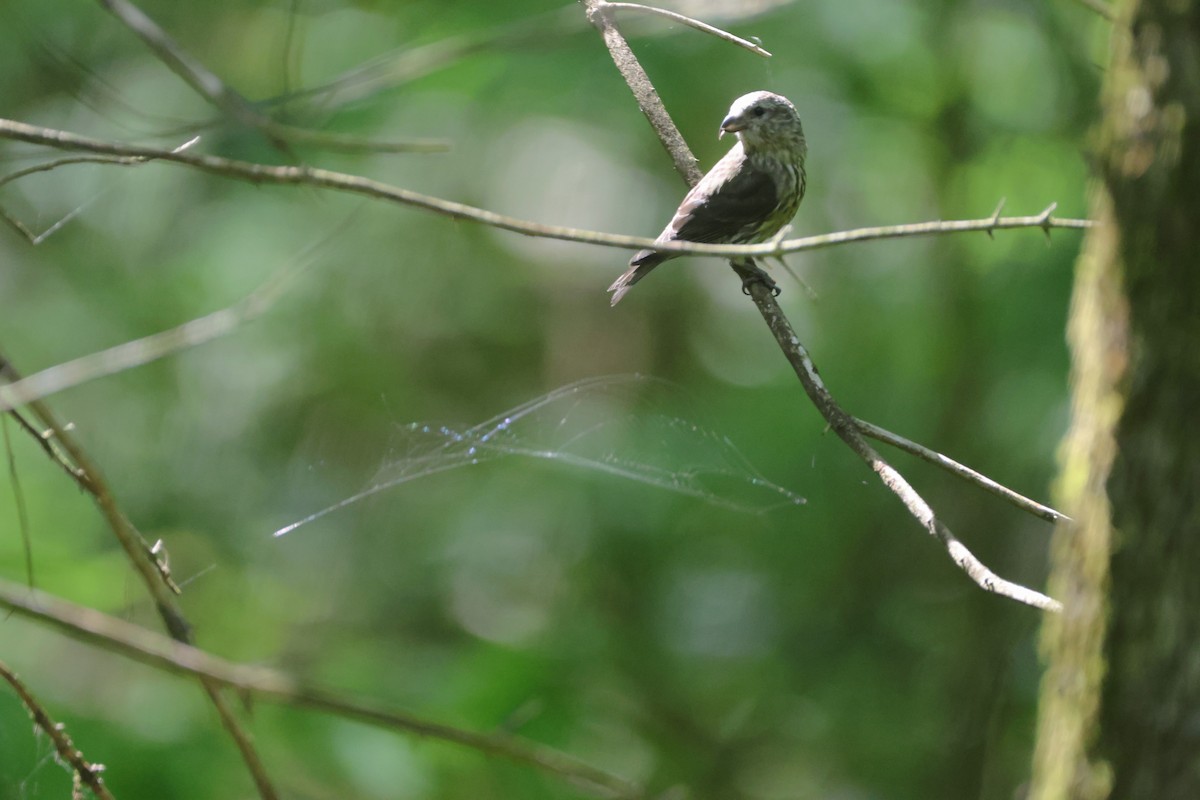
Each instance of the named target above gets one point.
<point>704,27</point>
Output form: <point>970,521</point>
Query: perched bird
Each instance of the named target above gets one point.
<point>748,196</point>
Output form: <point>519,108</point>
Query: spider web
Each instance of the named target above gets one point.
<point>591,424</point>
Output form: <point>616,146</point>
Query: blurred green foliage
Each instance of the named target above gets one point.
<point>829,650</point>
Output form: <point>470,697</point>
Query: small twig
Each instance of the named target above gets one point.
<point>155,346</point>
<point>154,575</point>
<point>120,161</point>
<point>695,23</point>
<point>961,470</point>
<point>146,559</point>
<point>846,428</point>
<point>262,683</point>
<point>353,184</point>
<point>206,83</point>
<point>47,445</point>
<point>14,477</point>
<point>544,29</point>
<point>45,436</point>
<point>199,77</point>
<point>86,773</point>
<point>54,164</point>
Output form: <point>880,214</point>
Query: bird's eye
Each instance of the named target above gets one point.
<point>759,111</point>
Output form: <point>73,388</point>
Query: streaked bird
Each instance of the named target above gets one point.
<point>748,196</point>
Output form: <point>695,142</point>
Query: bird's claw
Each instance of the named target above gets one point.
<point>758,276</point>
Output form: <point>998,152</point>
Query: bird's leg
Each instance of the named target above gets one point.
<point>752,273</point>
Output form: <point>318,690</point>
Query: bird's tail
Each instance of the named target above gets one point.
<point>639,268</point>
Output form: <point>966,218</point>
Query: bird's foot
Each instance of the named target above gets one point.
<point>757,275</point>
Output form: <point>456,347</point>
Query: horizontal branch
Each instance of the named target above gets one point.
<point>343,182</point>
<point>269,685</point>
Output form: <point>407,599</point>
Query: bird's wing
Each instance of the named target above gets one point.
<point>732,200</point>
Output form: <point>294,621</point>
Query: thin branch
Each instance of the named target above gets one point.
<point>47,166</point>
<point>961,470</point>
<point>155,575</point>
<point>206,83</point>
<point>695,23</point>
<point>643,90</point>
<point>262,683</point>
<point>146,560</point>
<point>846,428</point>
<point>86,773</point>
<point>199,77</point>
<point>150,348</point>
<point>45,436</point>
<point>544,29</point>
<point>353,184</point>
<point>797,355</point>
<point>14,477</point>
<point>53,164</point>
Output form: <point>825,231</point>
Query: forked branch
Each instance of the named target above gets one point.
<point>797,355</point>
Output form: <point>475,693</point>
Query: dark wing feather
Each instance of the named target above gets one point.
<point>728,206</point>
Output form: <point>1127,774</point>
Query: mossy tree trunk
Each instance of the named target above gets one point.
<point>1120,704</point>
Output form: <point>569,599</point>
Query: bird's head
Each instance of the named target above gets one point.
<point>764,120</point>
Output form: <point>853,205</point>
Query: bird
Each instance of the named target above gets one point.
<point>748,196</point>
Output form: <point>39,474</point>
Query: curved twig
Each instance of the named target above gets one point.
<point>694,23</point>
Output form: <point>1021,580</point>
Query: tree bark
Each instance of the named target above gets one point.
<point>1120,700</point>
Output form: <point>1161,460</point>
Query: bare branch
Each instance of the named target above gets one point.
<point>353,184</point>
<point>45,436</point>
<point>131,641</point>
<point>199,77</point>
<point>962,471</point>
<point>695,23</point>
<point>643,91</point>
<point>86,773</point>
<point>14,477</point>
<point>47,166</point>
<point>543,29</point>
<point>212,88</point>
<point>149,348</point>
<point>797,355</point>
<point>145,558</point>
<point>846,428</point>
<point>154,575</point>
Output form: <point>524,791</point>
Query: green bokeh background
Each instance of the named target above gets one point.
<point>829,650</point>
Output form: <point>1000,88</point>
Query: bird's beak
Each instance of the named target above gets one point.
<point>731,124</point>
